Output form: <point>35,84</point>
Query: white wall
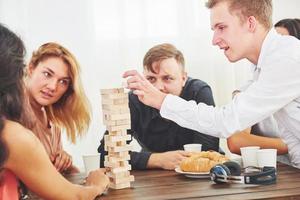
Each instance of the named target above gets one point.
<point>110,36</point>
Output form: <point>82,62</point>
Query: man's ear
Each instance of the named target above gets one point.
<point>251,23</point>
<point>184,77</point>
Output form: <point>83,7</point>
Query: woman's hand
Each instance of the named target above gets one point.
<point>99,179</point>
<point>61,160</point>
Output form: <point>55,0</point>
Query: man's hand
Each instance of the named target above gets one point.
<point>145,91</point>
<point>61,160</point>
<point>167,160</point>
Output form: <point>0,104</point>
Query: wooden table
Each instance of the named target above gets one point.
<point>163,184</point>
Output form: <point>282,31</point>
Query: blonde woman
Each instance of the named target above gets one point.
<point>58,101</point>
<point>22,156</point>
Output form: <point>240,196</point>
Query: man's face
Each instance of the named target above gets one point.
<point>169,77</point>
<point>230,34</point>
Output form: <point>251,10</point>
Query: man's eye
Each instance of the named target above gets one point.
<point>151,79</point>
<point>168,79</point>
<point>221,28</point>
<point>46,74</point>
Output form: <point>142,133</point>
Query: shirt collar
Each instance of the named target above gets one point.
<point>267,43</point>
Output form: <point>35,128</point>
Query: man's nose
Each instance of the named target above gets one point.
<point>216,39</point>
<point>159,85</point>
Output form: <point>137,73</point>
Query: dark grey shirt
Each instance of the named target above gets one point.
<point>156,134</point>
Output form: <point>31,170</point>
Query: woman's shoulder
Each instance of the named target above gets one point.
<point>16,134</point>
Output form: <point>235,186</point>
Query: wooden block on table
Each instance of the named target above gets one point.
<point>115,143</point>
<point>123,101</point>
<point>113,138</point>
<point>123,122</point>
<point>116,164</point>
<point>119,186</point>
<point>118,128</point>
<point>121,132</point>
<point>109,117</point>
<point>127,179</point>
<point>116,122</point>
<point>115,96</point>
<point>118,154</point>
<point>117,111</point>
<point>119,175</point>
<point>112,91</point>
<point>117,149</point>
<point>114,107</point>
<point>114,159</point>
<point>120,169</point>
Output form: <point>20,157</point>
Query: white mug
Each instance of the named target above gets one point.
<point>192,147</point>
<point>91,162</point>
<point>249,156</point>
<point>266,157</point>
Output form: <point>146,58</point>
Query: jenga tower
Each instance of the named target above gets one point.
<point>116,117</point>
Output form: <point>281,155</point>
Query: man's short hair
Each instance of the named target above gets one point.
<point>260,9</point>
<point>161,52</point>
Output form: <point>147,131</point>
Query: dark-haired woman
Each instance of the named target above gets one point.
<point>22,156</point>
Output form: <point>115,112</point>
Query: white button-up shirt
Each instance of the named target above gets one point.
<point>275,90</point>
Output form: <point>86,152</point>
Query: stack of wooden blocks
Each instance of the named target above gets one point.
<point>116,117</point>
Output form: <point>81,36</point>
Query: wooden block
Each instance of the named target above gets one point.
<point>115,143</point>
<point>123,101</point>
<point>118,154</point>
<point>116,164</point>
<point>110,117</point>
<point>114,107</point>
<point>114,159</point>
<point>120,169</point>
<point>118,128</point>
<point>113,138</point>
<point>119,175</point>
<point>117,149</point>
<point>112,91</point>
<point>121,132</point>
<point>127,179</point>
<point>117,111</point>
<point>116,122</point>
<point>123,122</point>
<point>119,186</point>
<point>115,96</point>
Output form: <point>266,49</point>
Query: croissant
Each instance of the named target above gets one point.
<point>202,161</point>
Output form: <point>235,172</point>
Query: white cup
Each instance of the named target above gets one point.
<point>192,147</point>
<point>91,162</point>
<point>249,157</point>
<point>266,157</point>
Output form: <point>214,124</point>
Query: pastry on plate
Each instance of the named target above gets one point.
<point>202,161</point>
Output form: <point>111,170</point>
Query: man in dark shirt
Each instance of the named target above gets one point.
<point>162,140</point>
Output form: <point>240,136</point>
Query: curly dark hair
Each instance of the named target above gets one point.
<point>12,53</point>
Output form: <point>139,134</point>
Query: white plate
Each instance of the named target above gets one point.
<point>193,174</point>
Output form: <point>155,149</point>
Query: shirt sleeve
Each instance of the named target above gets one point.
<point>204,95</point>
<point>275,88</point>
<point>139,160</point>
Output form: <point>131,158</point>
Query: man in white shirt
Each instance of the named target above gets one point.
<point>242,29</point>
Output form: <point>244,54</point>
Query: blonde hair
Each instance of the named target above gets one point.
<point>260,9</point>
<point>72,111</point>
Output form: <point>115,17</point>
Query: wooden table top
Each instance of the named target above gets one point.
<point>163,184</point>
